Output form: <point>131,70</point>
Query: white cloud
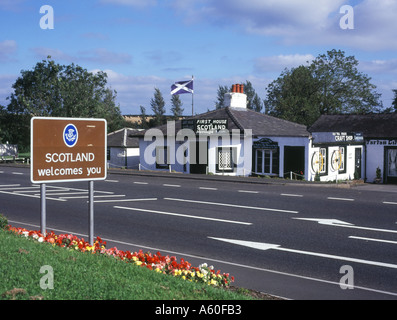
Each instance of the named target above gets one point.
<point>379,66</point>
<point>7,50</point>
<point>280,62</point>
<point>135,91</point>
<point>6,82</point>
<point>99,56</point>
<point>304,22</point>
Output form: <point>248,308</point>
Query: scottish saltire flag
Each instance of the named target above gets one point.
<point>182,87</point>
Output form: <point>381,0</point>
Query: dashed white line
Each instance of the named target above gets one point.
<point>248,191</point>
<point>292,195</point>
<point>387,202</point>
<point>208,188</point>
<point>138,182</point>
<point>340,199</point>
<point>18,173</point>
<point>172,185</point>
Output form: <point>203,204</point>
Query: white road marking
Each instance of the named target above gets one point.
<point>386,202</point>
<point>30,196</point>
<point>291,195</point>
<point>115,181</point>
<point>372,239</point>
<point>231,205</point>
<point>172,185</point>
<point>17,173</point>
<point>340,199</point>
<point>208,188</point>
<point>182,215</point>
<point>126,200</point>
<point>86,196</point>
<point>267,246</point>
<point>137,182</point>
<point>338,223</point>
<point>248,191</point>
<point>63,193</point>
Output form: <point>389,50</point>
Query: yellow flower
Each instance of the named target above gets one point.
<point>138,263</point>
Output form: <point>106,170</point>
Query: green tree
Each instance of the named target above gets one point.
<point>158,107</point>
<point>176,109</point>
<point>394,104</point>
<point>57,90</point>
<point>331,84</point>
<point>254,102</point>
<point>143,116</point>
<point>294,96</point>
<point>343,88</point>
<point>220,102</point>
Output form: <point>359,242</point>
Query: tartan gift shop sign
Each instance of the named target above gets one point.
<point>68,149</point>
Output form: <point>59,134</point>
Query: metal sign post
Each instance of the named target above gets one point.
<point>68,150</point>
<point>43,209</point>
<point>91,213</point>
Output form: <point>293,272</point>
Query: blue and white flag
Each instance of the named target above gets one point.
<point>182,87</point>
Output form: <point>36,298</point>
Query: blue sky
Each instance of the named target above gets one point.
<point>147,44</point>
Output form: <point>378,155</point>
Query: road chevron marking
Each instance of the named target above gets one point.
<point>339,223</point>
<point>269,246</point>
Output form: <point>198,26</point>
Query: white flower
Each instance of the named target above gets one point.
<point>41,239</point>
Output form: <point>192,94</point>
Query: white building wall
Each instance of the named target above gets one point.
<point>243,148</point>
<point>124,158</point>
<point>331,173</point>
<point>290,142</point>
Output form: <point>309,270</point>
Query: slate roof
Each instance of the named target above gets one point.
<point>242,119</point>
<point>380,125</point>
<point>122,138</point>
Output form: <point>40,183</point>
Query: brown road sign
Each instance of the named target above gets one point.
<point>67,149</point>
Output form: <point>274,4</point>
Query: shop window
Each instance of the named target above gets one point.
<point>225,157</point>
<point>319,161</point>
<point>266,161</point>
<point>392,162</point>
<point>338,160</point>
<point>162,157</point>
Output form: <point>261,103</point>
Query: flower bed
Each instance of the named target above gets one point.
<point>156,262</point>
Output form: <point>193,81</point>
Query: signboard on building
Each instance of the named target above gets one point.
<point>338,138</point>
<point>68,149</point>
<point>265,143</point>
<point>205,126</point>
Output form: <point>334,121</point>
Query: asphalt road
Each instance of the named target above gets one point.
<point>294,241</point>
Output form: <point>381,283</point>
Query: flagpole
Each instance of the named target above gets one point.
<point>192,99</point>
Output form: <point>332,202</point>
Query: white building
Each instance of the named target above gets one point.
<point>229,141</point>
<point>354,146</point>
<point>123,150</point>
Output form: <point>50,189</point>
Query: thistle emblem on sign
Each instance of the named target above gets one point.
<point>70,135</point>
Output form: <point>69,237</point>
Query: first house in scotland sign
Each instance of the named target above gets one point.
<point>68,149</point>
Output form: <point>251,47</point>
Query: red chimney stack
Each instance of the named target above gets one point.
<point>238,88</point>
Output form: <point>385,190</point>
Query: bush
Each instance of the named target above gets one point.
<point>3,222</point>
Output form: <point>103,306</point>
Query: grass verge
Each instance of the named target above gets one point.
<point>85,276</point>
